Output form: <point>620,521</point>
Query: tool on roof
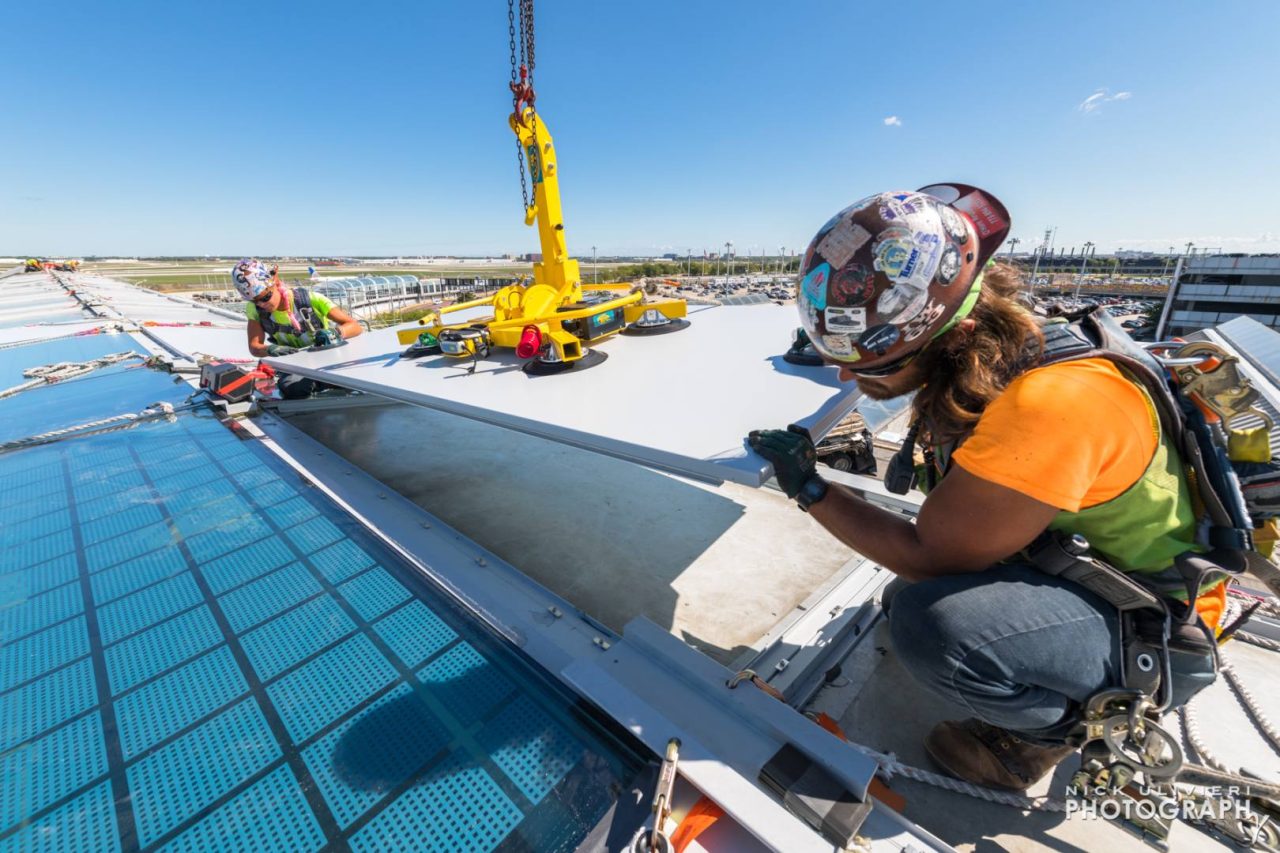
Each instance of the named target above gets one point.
<point>327,339</point>
<point>234,383</point>
<point>553,321</point>
<point>801,351</point>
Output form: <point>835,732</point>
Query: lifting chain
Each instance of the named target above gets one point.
<point>522,79</point>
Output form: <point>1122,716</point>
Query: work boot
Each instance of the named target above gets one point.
<point>983,754</point>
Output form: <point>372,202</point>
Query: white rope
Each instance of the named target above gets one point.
<point>1191,731</point>
<point>890,766</point>
<point>1245,698</point>
<point>1270,604</point>
<point>1211,776</point>
<point>47,374</point>
<point>1256,640</point>
<point>155,410</point>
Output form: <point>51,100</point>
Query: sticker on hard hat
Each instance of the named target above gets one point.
<point>921,324</point>
<point>842,241</point>
<point>954,225</point>
<point>986,219</point>
<point>901,303</point>
<point>949,265</point>
<point>893,253</point>
<point>898,206</point>
<point>852,286</point>
<point>921,266</point>
<point>878,339</point>
<point>848,321</point>
<point>814,286</point>
<point>840,345</point>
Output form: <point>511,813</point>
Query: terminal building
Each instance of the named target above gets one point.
<point>1211,289</point>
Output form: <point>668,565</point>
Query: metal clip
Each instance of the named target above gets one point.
<point>1220,388</point>
<point>662,797</point>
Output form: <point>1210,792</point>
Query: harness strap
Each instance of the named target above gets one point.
<point>1226,528</point>
<point>1058,554</point>
<point>302,304</point>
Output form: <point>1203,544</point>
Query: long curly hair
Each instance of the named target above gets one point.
<point>966,369</point>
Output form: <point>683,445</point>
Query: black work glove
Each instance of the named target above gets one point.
<point>278,350</point>
<point>790,452</point>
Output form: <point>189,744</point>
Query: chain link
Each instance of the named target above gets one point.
<point>526,25</point>
<point>511,33</point>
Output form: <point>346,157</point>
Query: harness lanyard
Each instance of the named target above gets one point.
<point>289,309</point>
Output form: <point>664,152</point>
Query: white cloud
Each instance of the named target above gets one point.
<point>893,121</point>
<point>1100,97</point>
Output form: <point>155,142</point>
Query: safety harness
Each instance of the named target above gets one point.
<point>309,320</point>
<point>1196,389</point>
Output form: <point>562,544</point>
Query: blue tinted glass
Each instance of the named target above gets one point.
<point>14,360</point>
<point>201,651</point>
<point>101,394</point>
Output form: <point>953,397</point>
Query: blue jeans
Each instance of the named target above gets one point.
<point>1018,648</point>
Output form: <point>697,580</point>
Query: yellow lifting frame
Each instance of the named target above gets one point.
<point>557,278</point>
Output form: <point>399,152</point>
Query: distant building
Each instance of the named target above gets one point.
<point>1212,289</point>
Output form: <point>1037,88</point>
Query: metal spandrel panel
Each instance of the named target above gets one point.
<point>57,314</point>
<point>198,340</point>
<point>683,402</point>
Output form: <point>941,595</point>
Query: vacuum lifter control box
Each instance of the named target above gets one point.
<point>231,382</point>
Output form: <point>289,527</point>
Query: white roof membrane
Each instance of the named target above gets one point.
<point>682,402</point>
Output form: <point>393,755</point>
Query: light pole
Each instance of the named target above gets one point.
<point>728,259</point>
<point>1084,259</point>
<point>595,269</point>
<point>1013,241</point>
<point>1190,246</point>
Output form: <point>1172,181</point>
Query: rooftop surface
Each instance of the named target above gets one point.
<point>200,646</point>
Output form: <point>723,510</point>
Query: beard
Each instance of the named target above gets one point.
<point>894,385</point>
<point>877,390</point>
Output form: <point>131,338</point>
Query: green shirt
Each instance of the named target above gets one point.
<point>285,335</point>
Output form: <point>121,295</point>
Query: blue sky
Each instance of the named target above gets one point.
<point>380,127</point>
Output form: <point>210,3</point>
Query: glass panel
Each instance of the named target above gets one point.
<point>204,652</point>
